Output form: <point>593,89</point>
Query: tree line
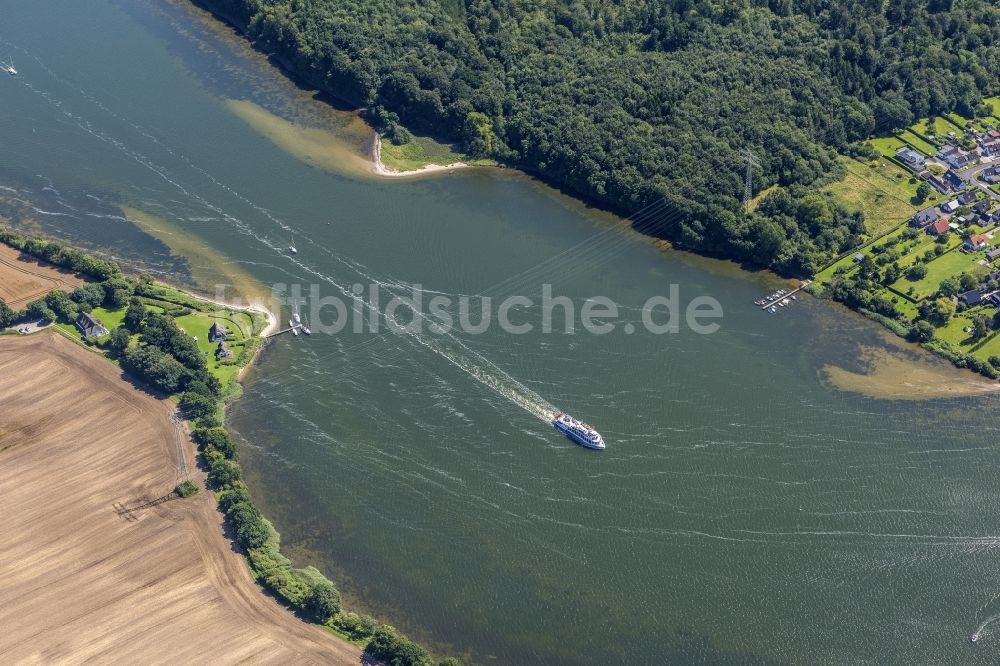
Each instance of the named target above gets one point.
<point>628,103</point>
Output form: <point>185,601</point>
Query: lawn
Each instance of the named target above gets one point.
<point>918,143</point>
<point>111,319</point>
<point>421,151</point>
<point>887,145</point>
<point>959,122</point>
<point>883,194</point>
<point>991,348</point>
<point>940,128</point>
<point>948,265</point>
<point>197,324</point>
<point>913,248</point>
<point>954,332</point>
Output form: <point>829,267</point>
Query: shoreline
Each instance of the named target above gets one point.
<point>271,326</point>
<point>272,319</point>
<point>380,169</point>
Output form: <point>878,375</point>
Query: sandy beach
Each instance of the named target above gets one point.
<point>379,168</point>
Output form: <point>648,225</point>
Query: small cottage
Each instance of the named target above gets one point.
<point>90,326</point>
<point>217,333</point>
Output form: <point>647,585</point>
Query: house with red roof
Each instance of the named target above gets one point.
<point>975,242</point>
<point>939,228</point>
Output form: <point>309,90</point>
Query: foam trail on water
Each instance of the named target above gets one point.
<point>454,351</point>
<point>977,634</point>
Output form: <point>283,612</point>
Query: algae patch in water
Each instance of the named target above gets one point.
<point>208,266</point>
<point>320,148</point>
<point>893,374</point>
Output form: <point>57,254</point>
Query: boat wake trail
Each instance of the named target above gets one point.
<point>445,345</point>
<point>978,633</point>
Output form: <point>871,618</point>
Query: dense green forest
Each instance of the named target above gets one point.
<point>628,102</point>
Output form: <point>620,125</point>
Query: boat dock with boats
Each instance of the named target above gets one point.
<point>781,298</point>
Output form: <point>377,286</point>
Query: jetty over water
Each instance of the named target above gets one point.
<point>772,302</point>
<point>298,327</point>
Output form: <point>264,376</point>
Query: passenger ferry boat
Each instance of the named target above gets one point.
<point>578,431</point>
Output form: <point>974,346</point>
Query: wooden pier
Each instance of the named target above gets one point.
<point>805,283</point>
<point>283,331</point>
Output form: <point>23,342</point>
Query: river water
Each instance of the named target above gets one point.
<point>745,510</point>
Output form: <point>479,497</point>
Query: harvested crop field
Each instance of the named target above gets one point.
<point>23,279</point>
<point>83,580</point>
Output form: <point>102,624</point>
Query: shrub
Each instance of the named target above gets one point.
<point>39,309</point>
<point>197,406</point>
<point>6,315</point>
<point>117,292</point>
<point>186,488</point>
<point>356,626</point>
<point>223,472</point>
<point>118,341</point>
<point>134,316</point>
<point>158,369</point>
<point>922,331</point>
<point>89,294</point>
<point>238,494</point>
<point>252,531</point>
<point>388,646</point>
<point>323,599</point>
<point>63,306</point>
<point>215,439</point>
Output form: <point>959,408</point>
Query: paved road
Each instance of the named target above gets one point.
<point>969,176</point>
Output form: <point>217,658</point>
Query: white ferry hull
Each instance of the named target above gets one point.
<point>578,438</point>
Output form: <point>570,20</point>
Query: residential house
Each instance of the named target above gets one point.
<point>975,242</point>
<point>911,158</point>
<point>956,158</point>
<point>991,149</point>
<point>938,228</point>
<point>223,350</point>
<point>966,198</point>
<point>982,208</point>
<point>924,217</point>
<point>949,206</point>
<point>954,181</point>
<point>993,253</point>
<point>946,151</point>
<point>971,297</point>
<point>939,185</point>
<point>217,332</point>
<point>90,326</point>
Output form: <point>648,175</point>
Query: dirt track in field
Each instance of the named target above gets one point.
<point>22,280</point>
<point>82,580</point>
